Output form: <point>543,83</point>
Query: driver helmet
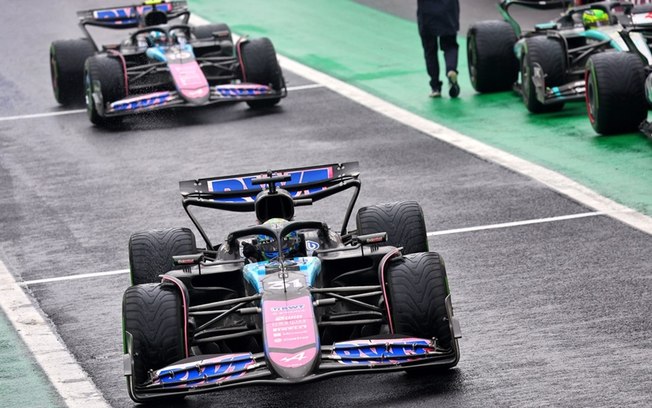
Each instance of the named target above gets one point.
<point>155,38</point>
<point>595,18</point>
<point>267,244</point>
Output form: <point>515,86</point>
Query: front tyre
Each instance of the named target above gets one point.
<point>154,324</point>
<point>67,58</point>
<point>418,288</point>
<point>548,54</point>
<point>104,78</point>
<point>259,65</point>
<point>615,92</point>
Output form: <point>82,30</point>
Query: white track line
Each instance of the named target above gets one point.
<point>73,277</point>
<point>42,115</point>
<point>430,234</point>
<point>515,224</point>
<point>68,378</point>
<point>552,179</point>
<point>304,87</point>
<point>72,112</point>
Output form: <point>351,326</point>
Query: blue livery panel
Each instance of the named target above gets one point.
<point>310,267</point>
<point>245,183</point>
<point>128,15</point>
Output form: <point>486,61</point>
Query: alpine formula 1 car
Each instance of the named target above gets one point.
<point>284,301</point>
<point>551,58</point>
<point>619,85</point>
<point>164,63</point>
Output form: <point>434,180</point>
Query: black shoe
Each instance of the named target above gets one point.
<point>454,90</point>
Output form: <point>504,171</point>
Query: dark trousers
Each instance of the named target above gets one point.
<point>431,44</point>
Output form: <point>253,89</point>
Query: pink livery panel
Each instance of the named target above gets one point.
<point>190,81</point>
<point>291,337</point>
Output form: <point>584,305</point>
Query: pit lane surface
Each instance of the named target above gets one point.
<point>552,314</point>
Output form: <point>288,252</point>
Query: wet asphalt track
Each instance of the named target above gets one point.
<point>553,314</point>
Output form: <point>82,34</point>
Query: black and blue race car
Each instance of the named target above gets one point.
<point>286,300</point>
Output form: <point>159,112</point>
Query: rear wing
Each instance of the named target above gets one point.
<point>536,4</point>
<point>124,17</point>
<point>504,6</point>
<point>238,192</point>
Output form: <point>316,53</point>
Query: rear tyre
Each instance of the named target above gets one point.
<point>154,316</point>
<point>549,54</point>
<point>105,76</point>
<point>615,92</point>
<point>493,66</point>
<point>151,252</point>
<point>204,32</point>
<point>402,221</point>
<point>260,66</point>
<point>418,288</point>
<point>67,59</point>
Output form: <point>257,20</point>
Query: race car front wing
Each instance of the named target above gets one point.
<point>350,357</point>
<point>168,99</point>
<point>572,91</point>
<point>209,372</point>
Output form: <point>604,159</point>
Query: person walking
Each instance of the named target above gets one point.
<point>439,22</point>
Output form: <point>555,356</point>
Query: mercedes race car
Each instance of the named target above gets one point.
<point>164,63</point>
<point>284,301</point>
<point>619,85</point>
<point>546,65</point>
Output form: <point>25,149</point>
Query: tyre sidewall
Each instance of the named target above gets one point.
<point>403,222</point>
<point>153,315</point>
<point>615,92</point>
<point>67,60</point>
<point>151,252</point>
<point>418,287</point>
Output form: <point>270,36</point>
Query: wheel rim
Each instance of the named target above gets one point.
<point>88,95</point>
<point>525,78</point>
<point>54,74</point>
<point>472,56</point>
<point>591,97</point>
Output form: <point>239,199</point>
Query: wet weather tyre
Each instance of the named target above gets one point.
<point>549,54</point>
<point>151,252</point>
<point>615,92</point>
<point>225,49</point>
<point>493,66</point>
<point>403,222</point>
<point>103,75</point>
<point>417,289</point>
<point>259,65</point>
<point>67,58</point>
<point>204,32</point>
<point>153,315</point>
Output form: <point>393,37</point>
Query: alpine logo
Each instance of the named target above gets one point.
<point>297,357</point>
